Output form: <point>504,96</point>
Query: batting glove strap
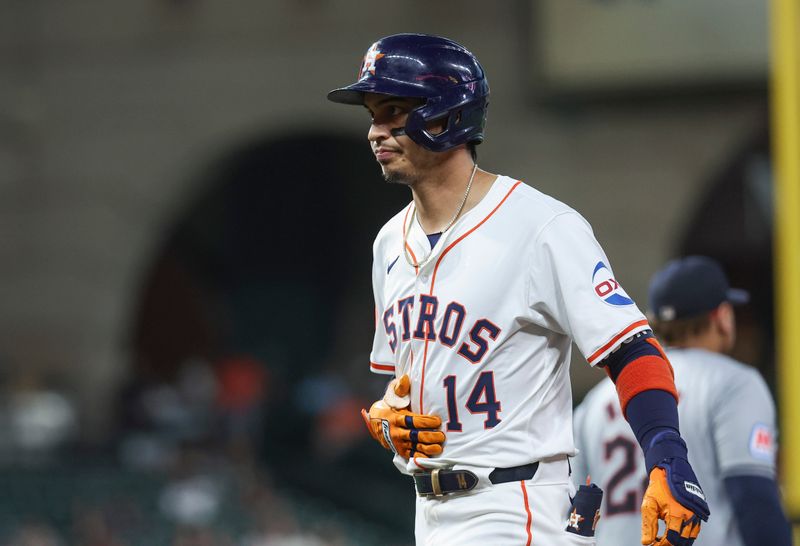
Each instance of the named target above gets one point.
<point>665,445</point>
<point>684,486</point>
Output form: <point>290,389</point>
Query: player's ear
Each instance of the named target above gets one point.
<point>725,322</point>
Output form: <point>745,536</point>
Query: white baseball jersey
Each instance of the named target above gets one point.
<point>727,419</point>
<point>484,327</point>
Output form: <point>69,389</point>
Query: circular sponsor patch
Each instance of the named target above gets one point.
<point>607,288</point>
<point>762,442</point>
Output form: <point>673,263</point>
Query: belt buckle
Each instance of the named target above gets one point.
<point>435,485</point>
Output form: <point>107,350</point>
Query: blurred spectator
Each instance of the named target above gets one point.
<point>39,420</point>
<point>160,416</point>
<point>194,500</point>
<point>337,425</point>
<point>339,429</point>
<point>154,417</point>
<point>243,384</point>
<point>276,525</point>
<point>197,388</point>
<point>194,495</point>
<point>317,393</point>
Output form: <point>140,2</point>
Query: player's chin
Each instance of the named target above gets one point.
<point>395,176</point>
<point>389,164</point>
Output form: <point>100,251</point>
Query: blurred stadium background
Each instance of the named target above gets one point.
<point>186,227</point>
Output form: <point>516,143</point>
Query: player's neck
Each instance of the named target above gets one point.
<point>710,341</point>
<point>438,195</point>
<point>718,337</point>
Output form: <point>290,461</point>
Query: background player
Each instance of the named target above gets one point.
<point>726,412</point>
<point>481,285</point>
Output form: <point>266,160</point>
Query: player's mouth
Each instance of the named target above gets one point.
<point>384,155</point>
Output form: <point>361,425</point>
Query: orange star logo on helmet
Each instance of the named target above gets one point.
<point>369,61</point>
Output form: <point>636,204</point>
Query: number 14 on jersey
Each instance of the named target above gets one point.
<point>482,399</point>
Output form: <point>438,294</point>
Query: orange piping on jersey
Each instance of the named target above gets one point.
<point>479,224</point>
<point>410,250</point>
<point>528,510</point>
<point>424,360</point>
<point>419,465</point>
<point>644,374</point>
<point>436,268</point>
<point>616,338</point>
<point>381,367</point>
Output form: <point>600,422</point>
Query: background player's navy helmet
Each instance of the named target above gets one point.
<point>433,68</point>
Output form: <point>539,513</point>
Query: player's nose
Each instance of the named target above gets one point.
<point>378,132</point>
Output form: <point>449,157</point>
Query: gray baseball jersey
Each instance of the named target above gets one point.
<point>727,417</point>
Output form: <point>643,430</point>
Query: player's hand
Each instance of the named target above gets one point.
<point>397,394</point>
<point>400,430</point>
<point>675,497</point>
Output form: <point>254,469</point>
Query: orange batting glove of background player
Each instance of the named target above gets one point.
<point>682,525</point>
<point>398,429</point>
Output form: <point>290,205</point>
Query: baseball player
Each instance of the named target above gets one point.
<point>481,284</point>
<point>726,412</point>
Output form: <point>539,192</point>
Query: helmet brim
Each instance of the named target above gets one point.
<point>346,96</point>
<point>354,94</point>
<point>737,296</point>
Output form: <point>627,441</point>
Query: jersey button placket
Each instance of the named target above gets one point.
<point>424,277</point>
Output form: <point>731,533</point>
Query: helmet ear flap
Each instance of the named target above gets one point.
<point>463,124</point>
<point>468,121</point>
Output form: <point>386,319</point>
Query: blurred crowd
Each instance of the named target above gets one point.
<point>186,466</point>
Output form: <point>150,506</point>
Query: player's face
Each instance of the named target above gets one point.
<point>401,159</point>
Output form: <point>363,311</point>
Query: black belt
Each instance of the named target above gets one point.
<point>440,482</point>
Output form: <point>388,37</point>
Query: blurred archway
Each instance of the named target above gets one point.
<point>265,276</point>
<point>268,259</point>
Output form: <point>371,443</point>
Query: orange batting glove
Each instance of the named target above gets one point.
<point>682,524</point>
<point>398,429</point>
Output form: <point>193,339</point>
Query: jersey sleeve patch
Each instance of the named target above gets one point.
<point>607,288</point>
<point>762,442</point>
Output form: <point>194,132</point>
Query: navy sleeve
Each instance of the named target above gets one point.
<point>653,417</point>
<point>757,507</point>
<point>652,414</point>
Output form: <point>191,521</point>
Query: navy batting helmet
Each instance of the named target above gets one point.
<point>433,68</point>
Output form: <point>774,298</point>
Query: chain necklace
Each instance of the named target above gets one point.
<point>408,257</point>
